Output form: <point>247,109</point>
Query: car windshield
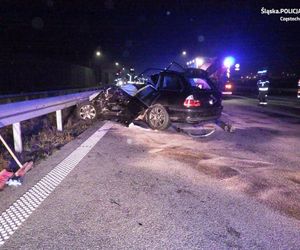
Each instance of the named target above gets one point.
<point>199,83</point>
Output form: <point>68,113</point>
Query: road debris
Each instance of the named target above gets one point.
<point>112,201</point>
<point>14,182</point>
<point>233,232</point>
<point>226,126</point>
<point>196,131</point>
<point>13,178</point>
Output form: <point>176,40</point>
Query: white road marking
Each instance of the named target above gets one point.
<point>223,113</point>
<point>21,209</point>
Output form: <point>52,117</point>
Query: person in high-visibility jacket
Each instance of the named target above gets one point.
<point>263,85</point>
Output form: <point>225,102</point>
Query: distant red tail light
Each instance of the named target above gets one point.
<point>191,102</point>
<point>228,86</point>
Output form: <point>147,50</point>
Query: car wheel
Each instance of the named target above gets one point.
<point>86,111</point>
<point>158,117</point>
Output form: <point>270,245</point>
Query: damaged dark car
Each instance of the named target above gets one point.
<point>187,96</point>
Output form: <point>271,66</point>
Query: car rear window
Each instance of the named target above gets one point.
<point>171,82</point>
<point>199,83</point>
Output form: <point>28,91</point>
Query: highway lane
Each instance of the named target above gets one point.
<point>138,188</point>
<point>280,104</point>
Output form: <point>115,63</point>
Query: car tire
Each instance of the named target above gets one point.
<point>87,111</point>
<point>157,117</point>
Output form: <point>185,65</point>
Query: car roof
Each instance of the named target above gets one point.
<point>183,72</point>
<point>189,73</point>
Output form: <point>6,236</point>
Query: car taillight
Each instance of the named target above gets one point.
<point>191,102</point>
<point>228,86</point>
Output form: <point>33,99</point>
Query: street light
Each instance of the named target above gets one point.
<point>117,64</point>
<point>199,62</point>
<point>98,53</point>
<point>183,53</point>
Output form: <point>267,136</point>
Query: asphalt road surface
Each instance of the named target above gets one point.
<point>142,189</point>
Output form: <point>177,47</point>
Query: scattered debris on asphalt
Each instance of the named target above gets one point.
<point>112,201</point>
<point>14,182</point>
<point>233,232</point>
<point>238,160</point>
<point>40,139</point>
<point>13,177</point>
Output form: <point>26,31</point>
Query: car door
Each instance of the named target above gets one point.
<point>142,100</point>
<point>171,88</point>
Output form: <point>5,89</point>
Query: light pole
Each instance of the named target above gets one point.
<point>183,53</point>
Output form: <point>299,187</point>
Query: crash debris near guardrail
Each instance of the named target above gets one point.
<point>15,113</point>
<point>13,174</point>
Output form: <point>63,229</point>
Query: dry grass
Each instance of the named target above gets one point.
<point>40,137</point>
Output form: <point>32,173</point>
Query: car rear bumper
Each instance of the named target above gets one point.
<point>227,92</point>
<point>195,115</point>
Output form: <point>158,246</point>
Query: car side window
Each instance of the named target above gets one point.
<point>172,83</point>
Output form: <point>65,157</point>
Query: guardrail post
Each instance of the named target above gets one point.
<point>17,133</point>
<point>59,123</point>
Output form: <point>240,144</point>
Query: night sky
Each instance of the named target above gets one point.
<point>150,33</point>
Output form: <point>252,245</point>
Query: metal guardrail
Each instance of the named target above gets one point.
<point>14,113</point>
<point>5,98</point>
